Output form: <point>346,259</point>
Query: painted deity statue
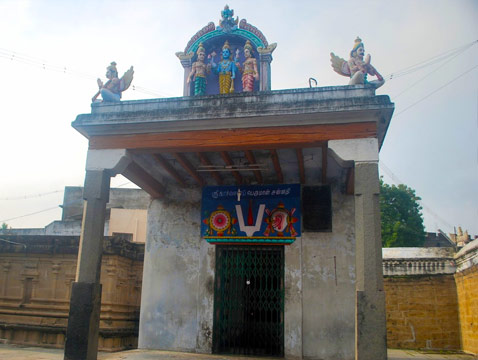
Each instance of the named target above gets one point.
<point>112,89</point>
<point>226,69</point>
<point>358,66</point>
<point>199,71</point>
<point>248,69</point>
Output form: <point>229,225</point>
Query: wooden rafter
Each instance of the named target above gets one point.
<point>252,160</point>
<point>324,163</point>
<point>167,166</point>
<point>277,167</point>
<point>137,175</point>
<point>205,161</point>
<point>227,159</point>
<point>188,167</point>
<point>300,161</point>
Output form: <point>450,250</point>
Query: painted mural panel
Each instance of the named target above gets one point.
<point>251,214</point>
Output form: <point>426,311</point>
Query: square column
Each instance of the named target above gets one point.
<point>85,304</point>
<point>370,322</point>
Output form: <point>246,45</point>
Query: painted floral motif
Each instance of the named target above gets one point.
<point>220,222</point>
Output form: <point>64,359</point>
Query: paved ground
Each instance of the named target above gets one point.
<point>10,352</point>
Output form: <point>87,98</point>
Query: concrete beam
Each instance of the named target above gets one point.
<point>113,160</point>
<point>358,150</point>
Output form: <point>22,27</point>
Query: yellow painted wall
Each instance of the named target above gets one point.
<point>129,221</point>
<point>467,287</point>
<point>422,312</point>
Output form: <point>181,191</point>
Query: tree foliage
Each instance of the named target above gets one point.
<point>402,222</point>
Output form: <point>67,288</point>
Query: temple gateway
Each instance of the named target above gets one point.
<point>263,230</point>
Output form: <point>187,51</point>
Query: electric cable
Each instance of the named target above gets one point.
<point>31,196</point>
<point>34,213</point>
<point>433,60</point>
<point>435,91</point>
<point>45,65</point>
<point>397,181</point>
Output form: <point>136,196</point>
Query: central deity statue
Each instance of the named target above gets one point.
<point>226,69</point>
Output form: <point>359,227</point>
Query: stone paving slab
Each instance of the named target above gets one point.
<point>10,352</point>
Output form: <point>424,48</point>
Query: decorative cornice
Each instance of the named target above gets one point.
<point>423,266</point>
<point>467,257</point>
<point>206,29</point>
<point>243,24</point>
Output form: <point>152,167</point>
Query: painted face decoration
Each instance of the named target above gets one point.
<point>280,220</point>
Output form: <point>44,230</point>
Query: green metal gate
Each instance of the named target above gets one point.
<point>249,300</point>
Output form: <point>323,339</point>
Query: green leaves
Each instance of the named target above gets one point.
<point>402,222</point>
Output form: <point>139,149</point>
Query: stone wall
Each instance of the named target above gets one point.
<point>422,312</point>
<point>466,279</point>
<point>421,298</point>
<point>35,284</point>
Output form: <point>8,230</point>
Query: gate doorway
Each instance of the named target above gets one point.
<point>249,300</point>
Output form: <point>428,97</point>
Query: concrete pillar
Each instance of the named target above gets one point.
<point>85,304</point>
<point>370,316</point>
<point>265,72</point>
<point>187,63</point>
<point>370,322</point>
<point>265,59</point>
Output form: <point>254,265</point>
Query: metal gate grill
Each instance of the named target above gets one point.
<point>249,300</point>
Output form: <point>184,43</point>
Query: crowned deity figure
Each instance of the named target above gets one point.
<point>199,71</point>
<point>112,89</point>
<point>248,69</point>
<point>226,69</point>
<point>358,66</point>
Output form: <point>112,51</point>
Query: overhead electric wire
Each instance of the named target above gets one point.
<point>426,63</point>
<point>436,90</point>
<point>45,65</point>
<point>426,76</point>
<point>397,181</point>
<point>31,196</point>
<point>34,213</point>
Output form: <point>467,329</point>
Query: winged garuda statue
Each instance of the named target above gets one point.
<point>112,89</point>
<point>358,67</point>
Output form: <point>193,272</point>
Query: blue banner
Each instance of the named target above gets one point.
<point>251,214</point>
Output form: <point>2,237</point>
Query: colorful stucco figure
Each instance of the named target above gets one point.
<point>112,89</point>
<point>248,68</point>
<point>358,66</point>
<point>226,69</point>
<point>227,23</point>
<point>199,71</point>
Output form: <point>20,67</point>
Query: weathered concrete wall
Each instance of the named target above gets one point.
<point>328,286</point>
<point>178,290</point>
<point>466,279</point>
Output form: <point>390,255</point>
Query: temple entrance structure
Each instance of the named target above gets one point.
<point>263,227</point>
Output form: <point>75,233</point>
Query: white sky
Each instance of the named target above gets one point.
<point>431,146</point>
